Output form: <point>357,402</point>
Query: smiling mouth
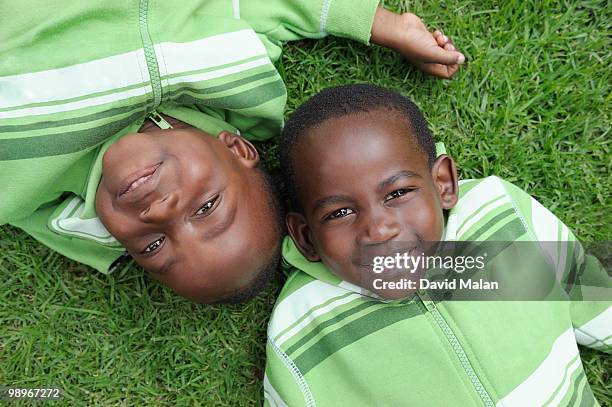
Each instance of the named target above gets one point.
<point>137,179</point>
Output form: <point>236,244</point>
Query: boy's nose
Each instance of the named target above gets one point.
<point>378,228</point>
<point>162,209</point>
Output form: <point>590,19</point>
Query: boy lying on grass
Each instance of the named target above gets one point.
<point>195,210</point>
<point>363,175</point>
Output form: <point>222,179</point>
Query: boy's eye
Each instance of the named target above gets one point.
<point>154,246</point>
<point>207,206</point>
<point>397,193</point>
<point>340,213</point>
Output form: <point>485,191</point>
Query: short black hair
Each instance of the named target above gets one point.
<point>268,270</point>
<point>342,101</point>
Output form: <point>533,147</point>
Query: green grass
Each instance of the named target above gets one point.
<point>533,106</point>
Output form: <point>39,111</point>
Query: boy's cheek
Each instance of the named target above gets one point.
<point>428,225</point>
<point>344,270</point>
<point>336,253</point>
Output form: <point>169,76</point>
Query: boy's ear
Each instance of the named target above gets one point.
<point>300,233</point>
<point>444,174</point>
<point>241,147</point>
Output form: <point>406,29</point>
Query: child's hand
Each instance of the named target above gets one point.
<point>433,53</point>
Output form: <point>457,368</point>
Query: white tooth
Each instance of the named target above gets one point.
<point>138,182</point>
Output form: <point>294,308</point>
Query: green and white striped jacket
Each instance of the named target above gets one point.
<point>330,345</point>
<point>77,75</point>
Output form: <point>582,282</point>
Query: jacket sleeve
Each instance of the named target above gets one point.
<point>581,275</point>
<point>284,385</point>
<point>84,251</point>
<point>287,20</point>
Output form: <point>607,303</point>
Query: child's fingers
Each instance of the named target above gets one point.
<point>441,39</point>
<point>442,61</point>
<point>451,70</point>
<point>439,70</point>
<point>444,71</point>
<point>442,56</point>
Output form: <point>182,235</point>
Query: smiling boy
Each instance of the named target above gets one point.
<point>189,203</point>
<point>363,175</point>
<point>157,207</point>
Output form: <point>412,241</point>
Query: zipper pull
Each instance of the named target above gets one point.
<point>426,300</point>
<point>159,120</point>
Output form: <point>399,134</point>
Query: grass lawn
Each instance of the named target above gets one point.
<point>532,106</point>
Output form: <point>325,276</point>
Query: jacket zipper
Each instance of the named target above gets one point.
<point>430,306</point>
<point>159,120</point>
<point>149,51</point>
